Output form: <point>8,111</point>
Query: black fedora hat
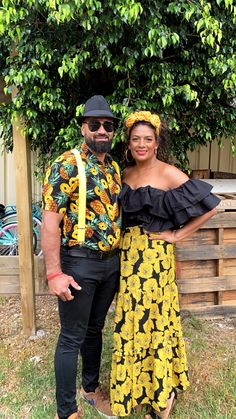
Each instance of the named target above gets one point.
<point>97,106</point>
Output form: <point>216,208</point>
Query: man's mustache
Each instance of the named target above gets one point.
<point>101,136</point>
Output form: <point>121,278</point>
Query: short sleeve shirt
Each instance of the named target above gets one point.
<point>61,195</point>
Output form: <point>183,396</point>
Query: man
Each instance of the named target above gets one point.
<point>84,277</point>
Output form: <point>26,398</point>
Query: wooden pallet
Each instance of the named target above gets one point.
<point>206,265</point>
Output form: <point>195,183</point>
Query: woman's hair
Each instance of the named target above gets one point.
<point>160,131</point>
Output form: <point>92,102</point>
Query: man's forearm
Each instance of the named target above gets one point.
<point>51,242</point>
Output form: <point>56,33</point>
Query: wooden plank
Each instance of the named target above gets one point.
<point>229,196</point>
<point>229,266</point>
<point>208,234</point>
<point>9,265</point>
<point>223,219</point>
<point>202,237</point>
<point>227,204</point>
<point>205,284</point>
<point>206,252</point>
<point>9,285</point>
<point>200,299</point>
<point>223,175</point>
<point>41,287</point>
<point>220,264</point>
<point>200,174</point>
<point>204,156</point>
<point>229,235</point>
<point>9,276</point>
<point>231,302</point>
<point>196,268</point>
<point>12,287</point>
<point>229,296</point>
<point>21,151</point>
<point>211,312</point>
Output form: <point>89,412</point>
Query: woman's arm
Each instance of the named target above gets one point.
<point>193,225</point>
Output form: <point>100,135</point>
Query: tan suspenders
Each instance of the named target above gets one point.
<point>81,197</point>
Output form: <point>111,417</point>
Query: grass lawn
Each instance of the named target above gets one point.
<point>27,377</point>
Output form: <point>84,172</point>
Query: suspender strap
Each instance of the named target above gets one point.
<point>81,196</point>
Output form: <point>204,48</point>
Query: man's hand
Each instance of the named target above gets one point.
<point>60,286</point>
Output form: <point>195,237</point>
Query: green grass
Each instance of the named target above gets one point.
<point>27,387</point>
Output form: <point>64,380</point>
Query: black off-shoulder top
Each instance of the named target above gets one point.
<point>158,210</point>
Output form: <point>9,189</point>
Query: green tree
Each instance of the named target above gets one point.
<point>176,58</point>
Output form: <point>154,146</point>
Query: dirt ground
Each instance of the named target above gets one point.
<point>47,323</point>
<point>11,317</point>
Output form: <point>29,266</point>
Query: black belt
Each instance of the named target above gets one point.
<point>83,252</point>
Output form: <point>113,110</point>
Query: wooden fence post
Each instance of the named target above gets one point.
<point>21,151</point>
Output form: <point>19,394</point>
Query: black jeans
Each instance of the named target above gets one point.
<point>82,321</point>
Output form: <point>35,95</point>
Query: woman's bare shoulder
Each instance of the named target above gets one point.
<point>126,173</point>
<point>174,175</point>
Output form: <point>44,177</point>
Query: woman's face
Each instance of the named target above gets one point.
<point>142,143</point>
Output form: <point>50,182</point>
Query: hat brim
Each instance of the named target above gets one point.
<point>97,114</point>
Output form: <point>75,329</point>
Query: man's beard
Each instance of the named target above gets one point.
<point>98,146</point>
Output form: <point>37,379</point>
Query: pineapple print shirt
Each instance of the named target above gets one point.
<point>60,194</point>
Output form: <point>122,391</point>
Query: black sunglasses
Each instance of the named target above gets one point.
<point>95,125</point>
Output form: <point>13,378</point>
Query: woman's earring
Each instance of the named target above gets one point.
<point>126,156</point>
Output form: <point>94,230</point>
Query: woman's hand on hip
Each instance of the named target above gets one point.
<point>166,235</point>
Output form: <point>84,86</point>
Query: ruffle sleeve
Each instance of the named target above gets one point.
<point>158,210</point>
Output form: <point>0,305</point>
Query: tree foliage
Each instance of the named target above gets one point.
<point>176,58</point>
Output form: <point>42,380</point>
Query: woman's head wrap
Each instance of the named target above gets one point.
<point>143,116</point>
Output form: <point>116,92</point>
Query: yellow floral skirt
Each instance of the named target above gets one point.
<point>149,358</point>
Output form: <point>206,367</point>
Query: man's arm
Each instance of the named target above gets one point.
<point>51,243</point>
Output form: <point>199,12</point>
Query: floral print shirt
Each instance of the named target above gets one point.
<point>60,194</point>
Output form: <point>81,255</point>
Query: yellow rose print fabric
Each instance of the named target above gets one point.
<point>149,358</point>
<point>60,194</point>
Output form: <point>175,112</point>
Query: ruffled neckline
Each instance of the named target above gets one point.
<point>157,208</point>
<point>159,189</point>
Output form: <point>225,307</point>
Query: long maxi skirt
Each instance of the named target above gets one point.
<point>149,357</point>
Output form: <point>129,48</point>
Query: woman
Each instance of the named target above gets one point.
<point>161,206</point>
